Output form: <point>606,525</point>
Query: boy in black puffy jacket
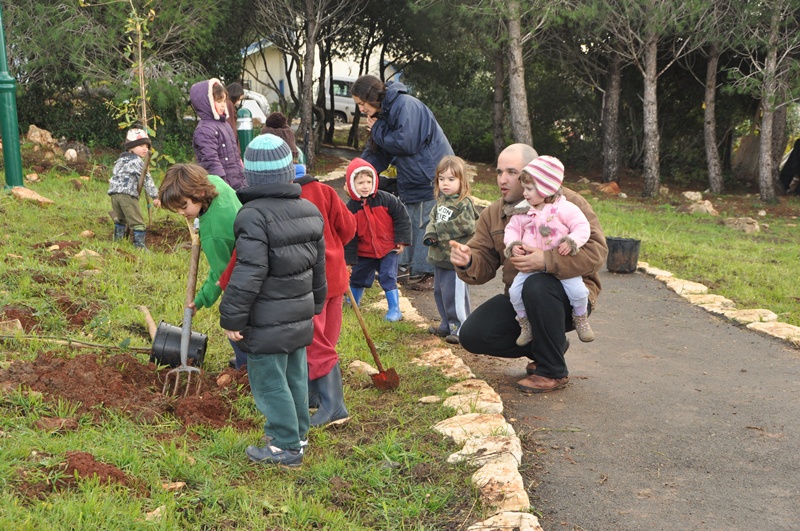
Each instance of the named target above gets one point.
<point>275,289</point>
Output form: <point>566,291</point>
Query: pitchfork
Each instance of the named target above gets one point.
<point>186,330</point>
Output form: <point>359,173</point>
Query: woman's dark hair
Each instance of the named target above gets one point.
<point>235,91</point>
<point>277,124</point>
<point>369,89</point>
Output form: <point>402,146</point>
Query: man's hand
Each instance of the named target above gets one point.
<point>234,335</point>
<point>531,262</point>
<point>400,247</point>
<point>460,254</point>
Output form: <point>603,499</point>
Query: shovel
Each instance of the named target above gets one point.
<point>385,380</point>
<point>186,330</point>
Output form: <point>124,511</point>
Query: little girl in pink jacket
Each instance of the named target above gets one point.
<point>546,220</point>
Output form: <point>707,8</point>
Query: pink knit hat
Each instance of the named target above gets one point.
<point>547,173</point>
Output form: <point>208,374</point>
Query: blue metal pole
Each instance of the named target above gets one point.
<point>9,125</point>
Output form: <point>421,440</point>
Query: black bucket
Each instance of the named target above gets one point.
<point>623,254</point>
<point>167,346</point>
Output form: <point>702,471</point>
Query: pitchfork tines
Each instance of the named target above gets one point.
<point>184,367</point>
<point>176,375</point>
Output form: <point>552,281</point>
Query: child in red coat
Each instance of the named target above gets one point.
<point>324,375</point>
<point>383,229</point>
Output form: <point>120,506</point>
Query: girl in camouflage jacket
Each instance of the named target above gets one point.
<point>453,218</point>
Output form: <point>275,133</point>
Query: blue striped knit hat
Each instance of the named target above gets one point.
<point>268,160</point>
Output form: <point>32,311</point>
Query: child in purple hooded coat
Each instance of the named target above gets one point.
<point>214,142</point>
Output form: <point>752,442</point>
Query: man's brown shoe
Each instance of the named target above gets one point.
<point>531,367</point>
<point>541,384</point>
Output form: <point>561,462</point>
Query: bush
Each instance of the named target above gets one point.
<point>81,116</point>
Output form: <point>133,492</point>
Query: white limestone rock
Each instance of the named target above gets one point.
<point>484,450</point>
<point>461,428</point>
<point>746,317</point>
<point>783,331</point>
<point>443,358</point>
<point>501,485</point>
<point>694,197</point>
<point>746,225</point>
<point>682,287</point>
<point>508,521</point>
<point>432,399</point>
<point>474,396</point>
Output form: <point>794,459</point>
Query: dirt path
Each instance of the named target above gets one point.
<point>674,419</point>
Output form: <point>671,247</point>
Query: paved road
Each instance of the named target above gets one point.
<point>674,419</point>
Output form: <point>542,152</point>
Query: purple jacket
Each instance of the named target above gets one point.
<point>214,142</point>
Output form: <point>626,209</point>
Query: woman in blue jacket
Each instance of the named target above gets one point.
<point>404,132</point>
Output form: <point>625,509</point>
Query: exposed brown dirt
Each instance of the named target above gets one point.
<point>25,315</point>
<point>67,475</point>
<point>98,382</point>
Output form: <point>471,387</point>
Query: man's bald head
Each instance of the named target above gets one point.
<point>509,165</point>
<point>523,152</point>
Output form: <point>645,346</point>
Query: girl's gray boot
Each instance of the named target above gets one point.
<point>119,231</point>
<point>138,239</point>
<point>331,400</point>
<point>313,394</point>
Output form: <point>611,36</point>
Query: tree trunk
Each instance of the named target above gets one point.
<point>651,136</point>
<point>766,178</point>
<point>517,96</point>
<point>610,122</point>
<point>710,123</point>
<point>330,116</point>
<point>305,129</point>
<point>779,141</point>
<point>497,104</point>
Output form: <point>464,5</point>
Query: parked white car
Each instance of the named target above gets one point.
<point>257,104</point>
<point>343,106</point>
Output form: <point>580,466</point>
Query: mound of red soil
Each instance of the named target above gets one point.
<point>97,382</point>
<point>79,466</point>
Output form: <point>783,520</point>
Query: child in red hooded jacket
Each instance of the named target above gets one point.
<point>383,229</point>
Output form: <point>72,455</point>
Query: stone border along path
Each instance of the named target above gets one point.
<point>489,441</point>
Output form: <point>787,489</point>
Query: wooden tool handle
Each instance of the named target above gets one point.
<point>151,324</point>
<point>191,285</point>
<point>364,329</point>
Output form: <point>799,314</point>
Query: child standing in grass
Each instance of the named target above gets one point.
<point>383,230</point>
<point>215,144</point>
<point>546,220</point>
<point>123,187</point>
<point>452,219</point>
<point>325,390</point>
<point>275,289</point>
<point>194,194</point>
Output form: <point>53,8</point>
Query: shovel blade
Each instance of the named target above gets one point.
<point>387,380</point>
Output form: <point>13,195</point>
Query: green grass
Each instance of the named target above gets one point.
<point>385,470</point>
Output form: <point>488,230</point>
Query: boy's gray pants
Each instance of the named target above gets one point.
<point>452,299</point>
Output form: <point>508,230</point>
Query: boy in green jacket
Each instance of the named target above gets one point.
<point>191,192</point>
